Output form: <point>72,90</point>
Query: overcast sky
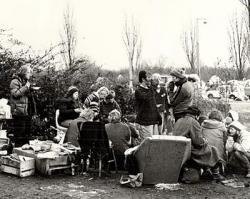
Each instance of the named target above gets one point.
<point>99,25</point>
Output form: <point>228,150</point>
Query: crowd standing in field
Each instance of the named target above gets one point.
<point>160,110</point>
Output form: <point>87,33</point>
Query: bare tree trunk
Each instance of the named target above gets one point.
<point>133,44</point>
<point>68,38</point>
<point>238,37</point>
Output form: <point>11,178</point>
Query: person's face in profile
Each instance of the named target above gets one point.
<point>75,95</point>
<point>232,131</point>
<point>28,74</point>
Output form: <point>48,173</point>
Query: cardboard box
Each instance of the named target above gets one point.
<point>24,167</point>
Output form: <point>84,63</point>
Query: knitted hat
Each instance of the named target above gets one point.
<point>237,125</point>
<point>94,106</point>
<point>193,110</point>
<point>177,73</point>
<point>71,91</point>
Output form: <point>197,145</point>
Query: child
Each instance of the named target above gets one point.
<point>239,146</point>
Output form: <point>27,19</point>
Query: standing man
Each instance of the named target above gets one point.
<point>148,116</point>
<point>183,96</point>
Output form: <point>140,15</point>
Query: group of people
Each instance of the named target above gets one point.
<point>159,110</point>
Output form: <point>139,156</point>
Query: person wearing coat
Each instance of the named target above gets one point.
<point>215,132</point>
<point>147,115</point>
<point>183,96</point>
<point>202,154</point>
<point>69,107</point>
<point>239,145</point>
<point>21,105</point>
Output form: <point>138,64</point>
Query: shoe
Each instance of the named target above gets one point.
<point>218,177</point>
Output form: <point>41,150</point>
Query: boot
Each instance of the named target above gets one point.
<point>216,174</point>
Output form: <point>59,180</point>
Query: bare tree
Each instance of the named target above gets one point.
<point>189,46</point>
<point>238,46</point>
<point>246,3</point>
<point>68,38</point>
<point>133,44</point>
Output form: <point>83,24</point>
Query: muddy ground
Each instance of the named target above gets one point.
<point>63,185</point>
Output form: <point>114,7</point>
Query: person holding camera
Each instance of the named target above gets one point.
<point>21,105</point>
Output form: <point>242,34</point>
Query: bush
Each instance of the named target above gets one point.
<point>206,105</point>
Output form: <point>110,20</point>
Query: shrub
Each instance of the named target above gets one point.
<point>206,105</point>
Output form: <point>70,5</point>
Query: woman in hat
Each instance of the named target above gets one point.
<point>69,107</point>
<point>73,132</point>
<point>240,147</point>
<point>183,97</point>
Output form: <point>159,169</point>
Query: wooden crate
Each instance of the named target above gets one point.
<point>46,166</point>
<point>23,168</point>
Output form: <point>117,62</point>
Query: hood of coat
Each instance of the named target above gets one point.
<point>214,124</point>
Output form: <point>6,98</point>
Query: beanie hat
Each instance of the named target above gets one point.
<point>237,125</point>
<point>71,91</point>
<point>177,73</point>
<point>193,110</point>
<point>94,106</point>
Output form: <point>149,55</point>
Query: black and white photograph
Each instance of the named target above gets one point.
<point>124,99</point>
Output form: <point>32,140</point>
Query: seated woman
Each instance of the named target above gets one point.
<point>73,133</point>
<point>119,133</point>
<point>202,154</point>
<point>69,107</point>
<point>96,96</point>
<point>215,132</point>
<point>239,145</point>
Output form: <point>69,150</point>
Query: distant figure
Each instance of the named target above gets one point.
<point>21,105</point>
<point>148,116</point>
<point>183,96</point>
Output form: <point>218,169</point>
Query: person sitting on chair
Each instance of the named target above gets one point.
<point>120,136</point>
<point>69,107</point>
<point>73,132</point>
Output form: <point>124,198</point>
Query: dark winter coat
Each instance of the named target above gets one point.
<point>19,93</point>
<point>66,107</point>
<point>147,113</point>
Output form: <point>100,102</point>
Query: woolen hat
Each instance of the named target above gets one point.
<point>71,90</point>
<point>177,73</point>
<point>237,125</point>
<point>94,106</point>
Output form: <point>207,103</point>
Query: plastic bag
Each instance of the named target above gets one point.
<point>132,180</point>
